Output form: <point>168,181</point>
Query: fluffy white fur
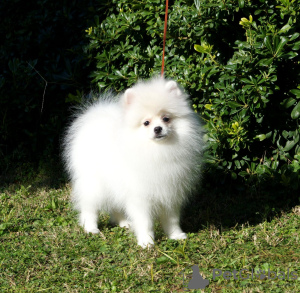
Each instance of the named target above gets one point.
<point>136,158</point>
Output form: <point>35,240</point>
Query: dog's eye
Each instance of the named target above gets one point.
<point>146,123</point>
<point>166,119</point>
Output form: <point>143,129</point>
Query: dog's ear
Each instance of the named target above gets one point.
<point>129,96</point>
<point>173,88</point>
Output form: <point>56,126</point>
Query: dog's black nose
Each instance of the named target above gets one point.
<point>157,129</point>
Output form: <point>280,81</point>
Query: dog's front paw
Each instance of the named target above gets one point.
<point>146,241</point>
<point>144,244</point>
<point>178,236</point>
<point>92,230</point>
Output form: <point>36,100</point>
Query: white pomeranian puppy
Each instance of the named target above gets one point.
<point>136,157</point>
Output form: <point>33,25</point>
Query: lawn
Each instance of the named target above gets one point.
<point>240,242</point>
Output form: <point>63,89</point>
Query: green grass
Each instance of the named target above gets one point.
<point>42,248</point>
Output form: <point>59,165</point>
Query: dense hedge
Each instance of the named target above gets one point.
<point>41,41</point>
<point>238,60</point>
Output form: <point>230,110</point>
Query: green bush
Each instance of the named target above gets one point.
<point>253,108</point>
<point>238,60</point>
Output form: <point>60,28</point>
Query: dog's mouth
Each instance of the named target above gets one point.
<point>160,136</point>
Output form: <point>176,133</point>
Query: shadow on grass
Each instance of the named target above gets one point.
<point>222,203</point>
<point>48,173</point>
<point>232,204</point>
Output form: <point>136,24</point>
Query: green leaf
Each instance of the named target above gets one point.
<point>208,106</point>
<point>259,119</point>
<point>265,62</point>
<point>284,29</point>
<point>233,175</point>
<point>237,163</point>
<point>296,92</point>
<point>296,111</point>
<point>53,204</point>
<point>101,84</point>
<point>290,55</point>
<point>285,134</point>
<point>261,137</point>
<point>279,47</point>
<point>243,173</point>
<point>200,49</point>
<point>268,135</point>
<point>246,80</point>
<point>197,4</point>
<point>286,103</point>
<point>162,259</point>
<point>233,104</point>
<point>296,46</point>
<point>289,145</point>
<point>294,36</point>
<point>118,72</point>
<point>268,43</point>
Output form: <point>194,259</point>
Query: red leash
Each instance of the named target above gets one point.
<point>165,34</point>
